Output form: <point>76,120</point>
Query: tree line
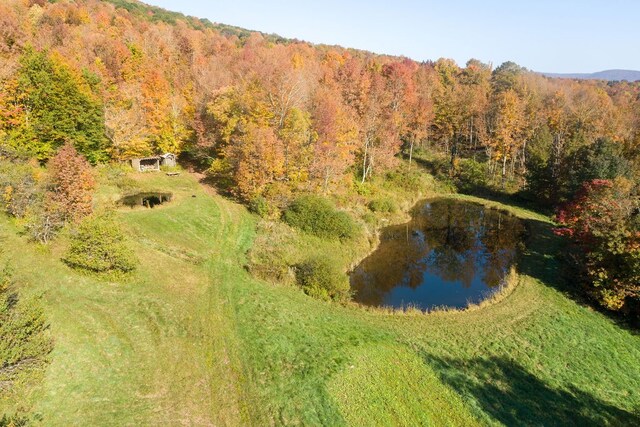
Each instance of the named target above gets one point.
<point>271,114</point>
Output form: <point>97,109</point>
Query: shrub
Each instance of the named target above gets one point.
<point>408,179</point>
<point>263,207</point>
<point>362,188</point>
<point>384,205</point>
<point>98,245</point>
<point>20,187</point>
<point>43,221</point>
<point>258,205</point>
<point>315,215</point>
<point>24,341</point>
<point>320,278</point>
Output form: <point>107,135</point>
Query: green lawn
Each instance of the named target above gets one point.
<point>193,339</point>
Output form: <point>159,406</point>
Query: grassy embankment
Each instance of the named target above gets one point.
<point>192,338</point>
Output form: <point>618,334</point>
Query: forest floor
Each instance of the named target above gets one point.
<point>193,339</point>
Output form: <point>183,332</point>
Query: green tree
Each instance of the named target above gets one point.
<point>600,160</point>
<point>54,106</point>
<point>505,76</point>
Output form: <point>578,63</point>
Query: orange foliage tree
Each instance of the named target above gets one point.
<point>72,184</point>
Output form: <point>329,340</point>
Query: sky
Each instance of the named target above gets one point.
<point>545,35</point>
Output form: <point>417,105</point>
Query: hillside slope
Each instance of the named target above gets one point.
<point>193,339</point>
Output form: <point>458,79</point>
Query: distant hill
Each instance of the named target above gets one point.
<point>611,75</point>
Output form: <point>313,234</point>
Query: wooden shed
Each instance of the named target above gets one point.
<point>153,163</point>
<point>168,159</point>
<point>145,164</point>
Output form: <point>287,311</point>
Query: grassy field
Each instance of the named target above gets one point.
<point>193,339</point>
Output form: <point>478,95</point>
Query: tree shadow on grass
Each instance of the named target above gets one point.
<point>510,394</point>
<point>543,258</point>
<point>513,199</point>
<point>540,256</point>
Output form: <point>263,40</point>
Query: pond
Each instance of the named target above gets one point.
<point>147,200</point>
<point>450,254</point>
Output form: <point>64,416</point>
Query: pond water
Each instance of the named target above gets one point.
<point>450,254</point>
<point>147,200</point>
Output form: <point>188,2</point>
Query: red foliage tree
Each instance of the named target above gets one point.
<point>72,184</point>
<point>602,223</point>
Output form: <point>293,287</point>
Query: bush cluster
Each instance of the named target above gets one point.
<point>383,205</point>
<point>316,215</point>
<point>99,246</point>
<point>604,229</point>
<point>320,278</point>
<point>24,196</point>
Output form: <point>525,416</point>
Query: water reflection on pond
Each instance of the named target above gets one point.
<point>147,200</point>
<point>450,254</point>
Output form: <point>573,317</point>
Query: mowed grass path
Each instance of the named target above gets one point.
<point>193,339</point>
